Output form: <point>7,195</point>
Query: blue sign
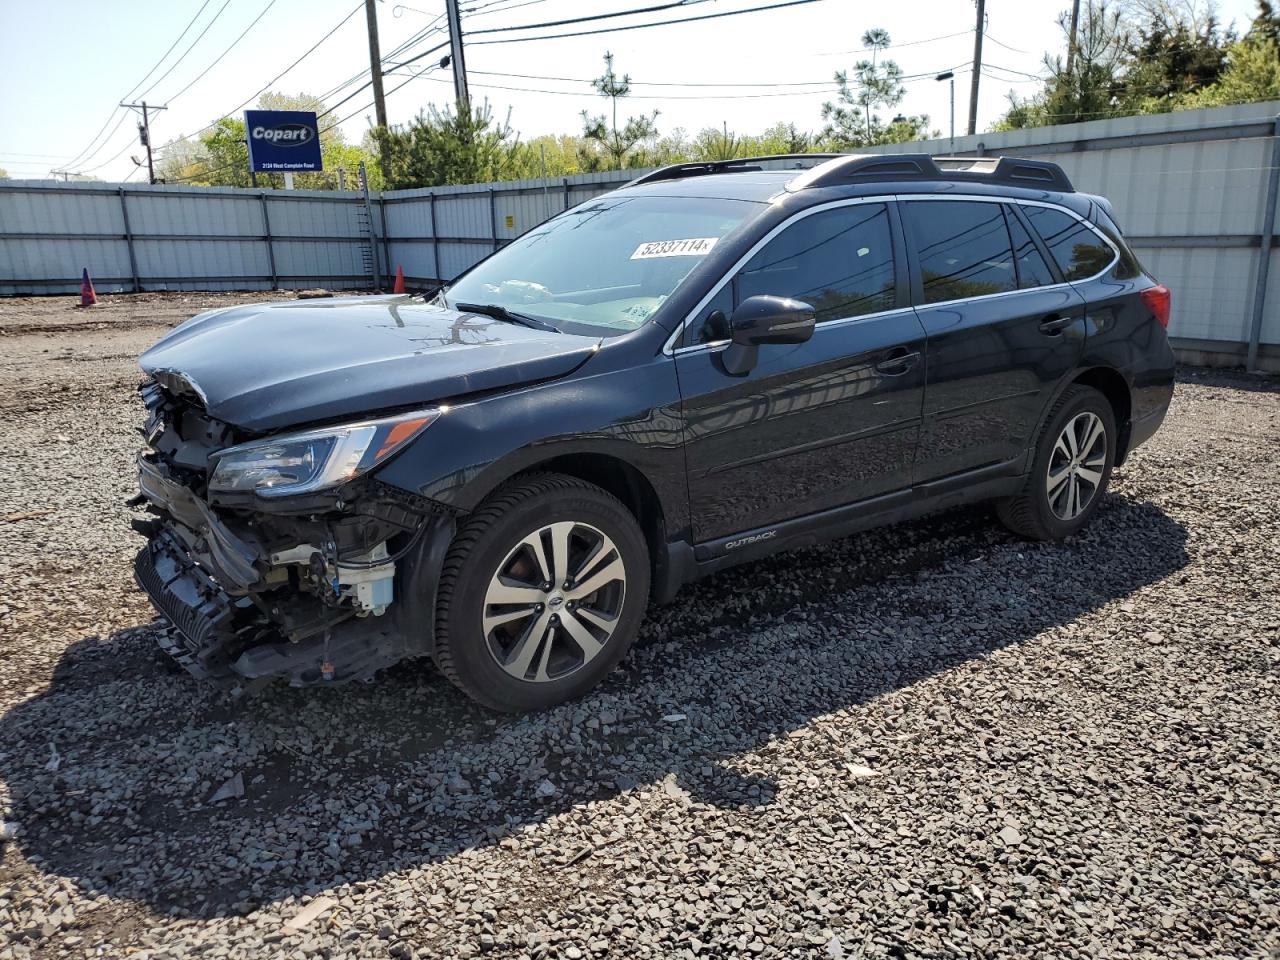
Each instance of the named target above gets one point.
<point>282,141</point>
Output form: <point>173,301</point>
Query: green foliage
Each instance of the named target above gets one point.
<point>1252,76</point>
<point>4,174</point>
<point>853,120</point>
<point>1150,57</point>
<point>451,146</point>
<point>610,147</point>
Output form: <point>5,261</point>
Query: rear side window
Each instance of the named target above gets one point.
<point>963,248</point>
<point>1032,270</point>
<point>839,261</point>
<point>1079,251</point>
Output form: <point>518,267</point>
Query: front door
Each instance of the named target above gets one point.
<point>817,424</point>
<point>1003,332</point>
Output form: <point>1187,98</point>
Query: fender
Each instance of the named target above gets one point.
<point>627,411</point>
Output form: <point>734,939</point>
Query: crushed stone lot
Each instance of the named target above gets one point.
<point>934,740</point>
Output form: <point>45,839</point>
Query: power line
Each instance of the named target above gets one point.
<point>670,96</point>
<point>190,24</point>
<point>1005,45</point>
<point>655,83</point>
<point>186,51</point>
<point>218,60</point>
<point>594,16</point>
<point>267,86</point>
<point>642,26</point>
<point>425,53</point>
<point>895,46</point>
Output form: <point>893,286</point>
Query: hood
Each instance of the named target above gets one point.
<point>265,366</point>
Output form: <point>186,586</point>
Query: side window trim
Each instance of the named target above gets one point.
<point>670,345</point>
<point>1050,261</point>
<point>917,288</point>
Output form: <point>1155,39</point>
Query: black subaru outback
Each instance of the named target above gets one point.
<point>714,363</point>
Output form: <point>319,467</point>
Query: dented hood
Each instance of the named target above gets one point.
<point>265,366</point>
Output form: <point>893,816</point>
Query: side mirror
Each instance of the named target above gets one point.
<point>760,320</point>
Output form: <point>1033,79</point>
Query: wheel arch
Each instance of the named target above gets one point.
<point>623,480</point>
<point>1112,385</point>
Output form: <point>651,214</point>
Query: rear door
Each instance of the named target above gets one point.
<point>1003,330</point>
<point>817,424</point>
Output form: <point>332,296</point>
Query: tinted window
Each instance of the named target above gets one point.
<point>963,248</point>
<point>1032,270</point>
<point>1076,248</point>
<point>840,261</point>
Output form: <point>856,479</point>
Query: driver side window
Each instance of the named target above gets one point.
<point>839,261</point>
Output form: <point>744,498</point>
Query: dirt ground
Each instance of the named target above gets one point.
<point>935,740</point>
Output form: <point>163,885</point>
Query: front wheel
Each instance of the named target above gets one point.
<point>542,593</point>
<point>1071,470</point>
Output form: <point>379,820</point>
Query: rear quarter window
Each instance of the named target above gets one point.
<point>1080,253</point>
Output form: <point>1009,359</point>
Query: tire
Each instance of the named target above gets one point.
<point>1044,510</point>
<point>514,640</point>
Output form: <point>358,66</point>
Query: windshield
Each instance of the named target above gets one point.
<point>603,267</point>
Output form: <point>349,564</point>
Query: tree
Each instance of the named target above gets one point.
<point>4,174</point>
<point>1152,56</point>
<point>440,147</point>
<point>853,120</point>
<point>1092,89</point>
<point>1252,73</point>
<point>1169,57</point>
<point>617,144</point>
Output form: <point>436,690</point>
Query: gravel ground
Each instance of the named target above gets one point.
<point>930,741</point>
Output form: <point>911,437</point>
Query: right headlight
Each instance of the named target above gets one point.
<point>315,460</point>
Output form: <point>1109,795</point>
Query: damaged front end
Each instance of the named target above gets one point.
<point>281,557</point>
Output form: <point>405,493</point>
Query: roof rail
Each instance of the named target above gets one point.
<point>1013,171</point>
<point>678,171</point>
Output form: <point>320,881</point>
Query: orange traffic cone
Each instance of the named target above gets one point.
<point>88,296</point>
<point>399,287</point>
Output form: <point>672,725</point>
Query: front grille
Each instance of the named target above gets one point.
<point>198,608</point>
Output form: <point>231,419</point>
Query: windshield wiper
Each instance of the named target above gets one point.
<point>499,312</point>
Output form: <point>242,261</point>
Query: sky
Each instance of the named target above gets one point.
<point>66,64</point>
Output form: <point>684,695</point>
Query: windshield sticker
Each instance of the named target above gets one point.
<point>696,247</point>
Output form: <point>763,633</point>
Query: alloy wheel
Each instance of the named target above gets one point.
<point>554,601</point>
<point>1076,466</point>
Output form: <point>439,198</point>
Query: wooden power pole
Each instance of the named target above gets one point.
<point>1071,36</point>
<point>144,133</point>
<point>375,71</point>
<point>977,66</point>
<point>455,55</point>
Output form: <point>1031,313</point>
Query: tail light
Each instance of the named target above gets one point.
<point>1156,299</point>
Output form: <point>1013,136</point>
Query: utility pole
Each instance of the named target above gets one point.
<point>455,55</point>
<point>977,66</point>
<point>144,133</point>
<point>375,71</point>
<point>1071,37</point>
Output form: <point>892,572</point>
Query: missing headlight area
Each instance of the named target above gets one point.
<point>256,588</point>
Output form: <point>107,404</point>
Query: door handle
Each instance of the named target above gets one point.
<point>1055,323</point>
<point>897,361</point>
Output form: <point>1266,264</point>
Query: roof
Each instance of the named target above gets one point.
<point>762,178</point>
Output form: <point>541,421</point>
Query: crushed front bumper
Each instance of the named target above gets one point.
<point>211,628</point>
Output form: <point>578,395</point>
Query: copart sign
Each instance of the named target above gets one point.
<point>282,140</point>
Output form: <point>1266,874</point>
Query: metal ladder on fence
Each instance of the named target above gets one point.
<point>369,242</point>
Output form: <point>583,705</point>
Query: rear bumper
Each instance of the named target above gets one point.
<point>1144,429</point>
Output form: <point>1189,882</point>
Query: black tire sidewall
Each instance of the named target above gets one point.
<point>1082,400</point>
<point>467,644</point>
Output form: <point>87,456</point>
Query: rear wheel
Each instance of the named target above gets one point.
<point>542,593</point>
<point>1071,470</point>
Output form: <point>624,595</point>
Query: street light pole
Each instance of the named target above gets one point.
<point>950,75</point>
